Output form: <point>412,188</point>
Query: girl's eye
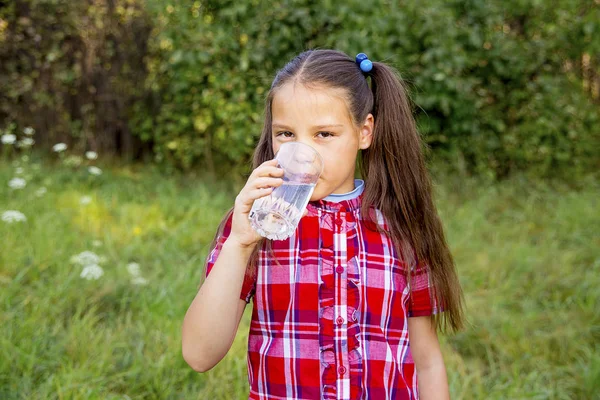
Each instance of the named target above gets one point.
<point>286,134</point>
<point>325,134</point>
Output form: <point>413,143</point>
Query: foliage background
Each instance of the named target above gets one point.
<point>499,86</point>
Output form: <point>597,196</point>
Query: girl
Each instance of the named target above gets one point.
<point>349,306</point>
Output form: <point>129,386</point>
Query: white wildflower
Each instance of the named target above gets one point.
<point>11,216</point>
<point>17,183</point>
<point>136,276</point>
<point>134,269</point>
<point>8,138</point>
<point>97,243</point>
<point>138,280</point>
<point>85,200</point>
<point>41,191</point>
<point>87,258</point>
<point>29,131</point>
<point>19,170</point>
<point>95,170</point>
<point>58,147</point>
<point>91,155</point>
<point>92,271</point>
<point>26,142</point>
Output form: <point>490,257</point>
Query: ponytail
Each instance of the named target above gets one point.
<point>398,184</point>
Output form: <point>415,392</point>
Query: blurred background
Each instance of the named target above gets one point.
<point>127,128</point>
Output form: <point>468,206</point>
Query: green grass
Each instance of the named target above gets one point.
<point>527,256</point>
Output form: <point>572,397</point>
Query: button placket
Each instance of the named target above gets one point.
<point>340,221</point>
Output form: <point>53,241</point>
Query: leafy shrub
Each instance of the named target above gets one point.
<point>502,86</point>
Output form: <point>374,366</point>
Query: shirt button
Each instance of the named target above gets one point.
<point>342,370</point>
<point>339,270</point>
<point>339,320</point>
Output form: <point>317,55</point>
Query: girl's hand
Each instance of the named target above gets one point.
<point>260,184</point>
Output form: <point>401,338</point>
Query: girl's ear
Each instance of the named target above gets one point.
<point>366,132</point>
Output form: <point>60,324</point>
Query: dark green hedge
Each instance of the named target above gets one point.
<point>500,86</point>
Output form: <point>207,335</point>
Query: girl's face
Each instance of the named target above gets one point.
<point>319,117</point>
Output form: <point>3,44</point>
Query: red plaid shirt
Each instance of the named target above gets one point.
<point>330,320</point>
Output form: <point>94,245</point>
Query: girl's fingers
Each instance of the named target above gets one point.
<point>261,183</point>
<point>267,171</point>
<point>269,162</point>
<point>259,188</point>
<point>268,168</point>
<point>266,164</point>
<point>265,182</point>
<point>274,171</point>
<point>248,196</point>
<point>258,193</point>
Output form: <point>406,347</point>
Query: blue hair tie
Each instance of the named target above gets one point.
<point>363,62</point>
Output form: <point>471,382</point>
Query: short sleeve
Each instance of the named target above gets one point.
<point>422,301</point>
<point>249,285</point>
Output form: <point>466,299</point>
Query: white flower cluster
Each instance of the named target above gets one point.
<point>59,147</point>
<point>11,139</point>
<point>136,276</point>
<point>11,216</point>
<point>87,258</point>
<point>90,262</point>
<point>26,142</point>
<point>70,161</point>
<point>8,138</point>
<point>94,170</point>
<point>93,271</point>
<point>17,183</point>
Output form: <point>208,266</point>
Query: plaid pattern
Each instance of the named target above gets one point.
<point>330,308</point>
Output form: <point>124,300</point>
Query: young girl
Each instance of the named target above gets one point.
<point>349,306</point>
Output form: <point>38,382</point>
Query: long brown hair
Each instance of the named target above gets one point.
<point>396,179</point>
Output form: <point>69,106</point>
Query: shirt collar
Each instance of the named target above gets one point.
<point>359,187</point>
<point>340,202</point>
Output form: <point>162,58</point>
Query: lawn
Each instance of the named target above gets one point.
<point>95,282</point>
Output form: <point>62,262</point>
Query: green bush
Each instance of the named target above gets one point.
<point>73,70</point>
<point>499,86</point>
